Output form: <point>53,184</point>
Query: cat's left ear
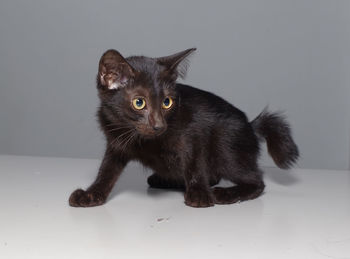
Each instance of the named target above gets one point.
<point>176,65</point>
<point>114,71</point>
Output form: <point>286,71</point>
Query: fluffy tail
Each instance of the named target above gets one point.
<point>274,128</point>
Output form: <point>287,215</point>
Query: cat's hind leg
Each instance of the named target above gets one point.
<point>156,181</point>
<point>249,186</point>
<point>237,193</point>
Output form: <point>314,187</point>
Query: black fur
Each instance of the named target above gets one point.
<point>192,145</point>
<point>276,131</point>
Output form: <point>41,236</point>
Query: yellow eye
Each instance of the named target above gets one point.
<point>139,103</point>
<point>167,103</point>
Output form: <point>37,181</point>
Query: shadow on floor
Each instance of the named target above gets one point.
<point>282,177</point>
<point>134,179</point>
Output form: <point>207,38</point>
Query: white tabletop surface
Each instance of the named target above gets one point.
<point>303,214</point>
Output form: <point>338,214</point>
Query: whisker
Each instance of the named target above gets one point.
<point>120,136</point>
<point>128,141</point>
<point>112,124</point>
<point>119,128</point>
<point>125,140</point>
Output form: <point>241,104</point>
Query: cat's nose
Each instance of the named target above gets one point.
<point>158,127</point>
<point>156,123</point>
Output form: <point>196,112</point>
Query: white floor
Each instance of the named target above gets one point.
<point>303,214</point>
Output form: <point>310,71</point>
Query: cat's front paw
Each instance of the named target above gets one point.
<point>198,198</point>
<point>81,198</point>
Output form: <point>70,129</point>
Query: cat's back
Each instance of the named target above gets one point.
<point>200,101</point>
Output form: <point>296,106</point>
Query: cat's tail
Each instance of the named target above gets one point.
<point>274,128</point>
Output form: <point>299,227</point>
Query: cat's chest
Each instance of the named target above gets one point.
<point>162,155</point>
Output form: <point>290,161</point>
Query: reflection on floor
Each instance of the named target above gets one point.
<point>303,214</point>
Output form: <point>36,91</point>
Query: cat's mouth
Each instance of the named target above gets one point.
<point>151,132</point>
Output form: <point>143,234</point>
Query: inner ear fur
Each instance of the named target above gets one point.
<point>114,71</point>
<point>176,65</point>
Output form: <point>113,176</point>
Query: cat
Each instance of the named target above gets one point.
<point>190,138</point>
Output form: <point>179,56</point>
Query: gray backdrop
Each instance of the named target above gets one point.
<point>290,55</point>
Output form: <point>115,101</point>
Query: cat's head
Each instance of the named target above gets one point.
<point>140,92</point>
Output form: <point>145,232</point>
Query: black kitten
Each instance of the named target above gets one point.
<point>190,138</point>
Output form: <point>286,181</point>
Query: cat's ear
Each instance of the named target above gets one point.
<point>114,71</point>
<point>176,65</point>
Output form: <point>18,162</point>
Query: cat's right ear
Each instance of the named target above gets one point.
<point>114,71</point>
<point>176,64</point>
